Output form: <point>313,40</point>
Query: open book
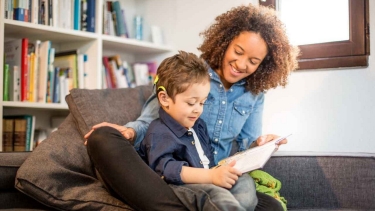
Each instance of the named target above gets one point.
<point>253,158</point>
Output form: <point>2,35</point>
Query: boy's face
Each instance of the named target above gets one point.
<point>188,106</point>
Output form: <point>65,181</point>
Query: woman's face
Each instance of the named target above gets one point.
<point>242,57</point>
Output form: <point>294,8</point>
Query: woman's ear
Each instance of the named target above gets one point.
<point>163,98</point>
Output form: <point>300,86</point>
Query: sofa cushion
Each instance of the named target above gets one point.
<point>59,173</point>
<point>325,182</point>
<point>118,106</point>
<point>9,164</point>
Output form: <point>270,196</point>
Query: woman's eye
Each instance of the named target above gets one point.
<point>191,104</point>
<point>253,62</point>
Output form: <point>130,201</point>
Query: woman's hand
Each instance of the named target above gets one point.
<point>225,176</point>
<point>127,132</point>
<point>267,138</point>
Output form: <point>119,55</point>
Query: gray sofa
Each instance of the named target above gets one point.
<point>58,175</point>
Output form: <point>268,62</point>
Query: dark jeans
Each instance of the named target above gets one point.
<point>126,174</point>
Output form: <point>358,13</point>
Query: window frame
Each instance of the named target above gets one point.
<point>349,53</point>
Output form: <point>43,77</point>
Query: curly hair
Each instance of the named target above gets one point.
<point>281,58</point>
<point>178,72</point>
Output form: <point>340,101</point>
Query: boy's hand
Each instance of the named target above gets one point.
<point>225,176</point>
<point>127,132</point>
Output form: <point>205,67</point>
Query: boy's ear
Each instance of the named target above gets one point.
<point>163,98</point>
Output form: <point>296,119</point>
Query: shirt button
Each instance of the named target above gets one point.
<point>221,85</point>
<point>220,121</point>
<point>190,133</point>
<point>215,152</point>
<point>192,142</point>
<point>243,112</point>
<point>200,162</point>
<point>223,102</point>
<point>216,140</point>
<point>210,74</point>
<point>231,90</point>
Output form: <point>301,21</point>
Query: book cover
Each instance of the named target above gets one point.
<point>141,74</point>
<point>69,59</point>
<point>13,53</point>
<point>8,127</point>
<point>253,158</point>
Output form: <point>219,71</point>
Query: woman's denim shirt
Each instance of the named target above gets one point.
<point>234,114</point>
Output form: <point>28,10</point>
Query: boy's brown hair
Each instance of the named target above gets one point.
<point>178,72</point>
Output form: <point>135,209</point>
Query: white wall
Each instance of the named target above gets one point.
<point>326,110</point>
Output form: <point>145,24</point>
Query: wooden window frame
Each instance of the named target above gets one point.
<point>349,53</point>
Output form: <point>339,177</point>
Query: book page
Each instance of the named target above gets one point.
<point>253,158</point>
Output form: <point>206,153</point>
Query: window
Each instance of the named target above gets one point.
<point>349,49</point>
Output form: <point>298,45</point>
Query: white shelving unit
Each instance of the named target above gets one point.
<point>95,45</point>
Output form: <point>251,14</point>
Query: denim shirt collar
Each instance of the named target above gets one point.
<point>173,125</point>
<point>215,77</point>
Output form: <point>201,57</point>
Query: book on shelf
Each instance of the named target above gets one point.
<point>43,70</point>
<point>23,131</point>
<point>69,59</point>
<point>6,82</point>
<point>14,84</point>
<point>141,73</point>
<point>8,125</point>
<point>67,14</point>
<point>253,158</point>
<point>91,15</point>
<point>16,56</point>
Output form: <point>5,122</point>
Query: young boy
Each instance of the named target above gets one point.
<point>177,146</point>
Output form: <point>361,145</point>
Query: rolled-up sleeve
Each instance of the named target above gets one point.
<point>149,113</point>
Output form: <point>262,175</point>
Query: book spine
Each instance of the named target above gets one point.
<point>28,132</point>
<point>6,83</point>
<point>19,135</point>
<point>34,11</point>
<point>31,78</point>
<point>14,91</point>
<point>91,15</point>
<point>110,72</point>
<point>8,127</point>
<point>24,69</point>
<point>120,27</point>
<point>83,15</point>
<point>56,87</point>
<point>77,15</point>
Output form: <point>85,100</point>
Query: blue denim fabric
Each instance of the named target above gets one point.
<point>234,114</point>
<point>207,197</point>
<point>168,146</point>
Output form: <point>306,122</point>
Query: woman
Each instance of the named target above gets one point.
<point>249,53</point>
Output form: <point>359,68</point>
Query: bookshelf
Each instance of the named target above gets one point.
<point>94,44</point>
